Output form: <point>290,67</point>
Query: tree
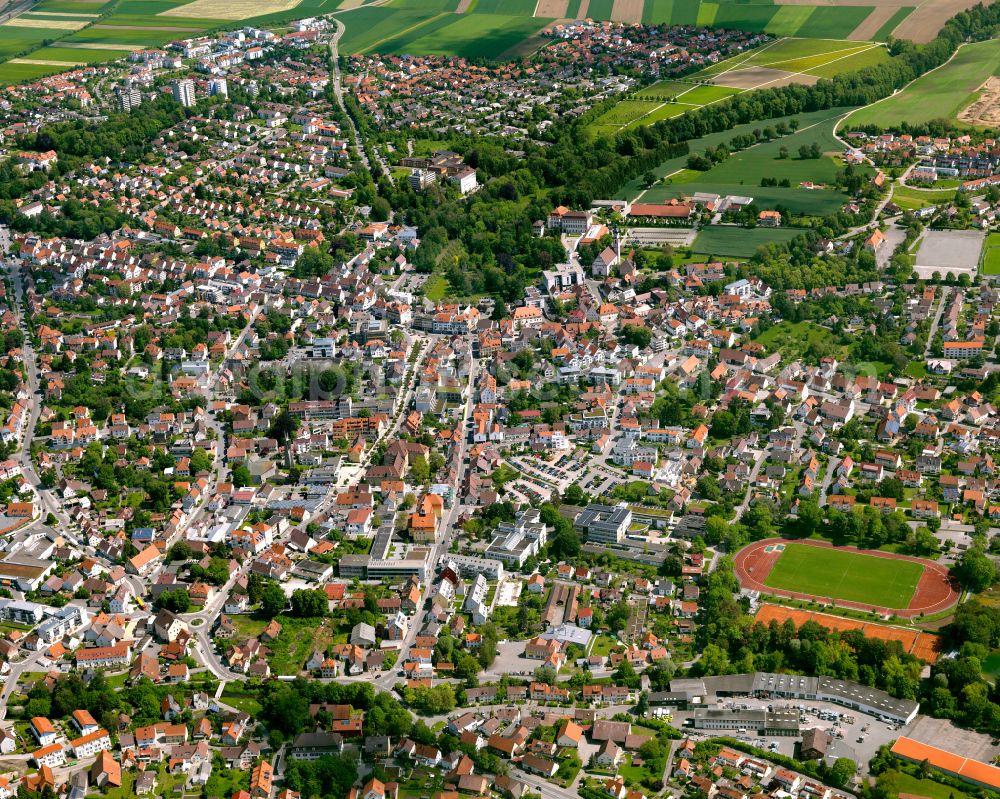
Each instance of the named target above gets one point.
<point>284,426</point>
<point>975,571</point>
<point>708,487</point>
<point>467,667</point>
<point>637,335</point>
<point>545,674</point>
<point>312,263</point>
<point>436,701</point>
<point>421,471</point>
<point>272,601</point>
<point>180,551</point>
<point>842,771</point>
<point>574,495</point>
<point>176,601</point>
<point>241,476</point>
<point>308,603</point>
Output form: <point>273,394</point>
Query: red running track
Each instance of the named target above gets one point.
<point>934,593</point>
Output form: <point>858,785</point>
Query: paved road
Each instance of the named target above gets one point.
<point>945,291</point>
<point>757,466</point>
<point>338,91</point>
<point>831,467</point>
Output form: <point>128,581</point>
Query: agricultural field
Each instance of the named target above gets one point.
<point>17,41</point>
<point>662,100</point>
<point>19,71</point>
<point>793,61</point>
<point>74,55</point>
<point>990,262</point>
<point>780,20</point>
<point>940,94</point>
<point>845,575</point>
<point>465,35</point>
<point>738,242</point>
<point>784,61</point>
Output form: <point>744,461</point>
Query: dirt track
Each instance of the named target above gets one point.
<point>986,110</point>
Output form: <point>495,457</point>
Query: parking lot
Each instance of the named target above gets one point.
<point>949,251</point>
<point>589,472</point>
<point>847,727</point>
<point>510,660</point>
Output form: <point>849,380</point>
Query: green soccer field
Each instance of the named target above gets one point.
<point>846,575</point>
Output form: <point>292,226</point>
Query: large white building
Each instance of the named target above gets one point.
<point>183,92</point>
<point>515,542</point>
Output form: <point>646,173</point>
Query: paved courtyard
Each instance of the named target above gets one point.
<point>954,251</point>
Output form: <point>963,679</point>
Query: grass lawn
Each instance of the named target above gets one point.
<point>793,338</point>
<point>247,627</point>
<point>742,172</point>
<point>929,788</point>
<point>603,644</point>
<point>436,287</point>
<point>991,665</point>
<point>634,187</point>
<point>117,681</point>
<point>916,369</point>
<point>234,695</point>
<point>764,161</point>
<point>941,93</point>
<point>910,199</point>
<point>991,255</point>
<point>127,789</point>
<point>847,575</point>
<point>299,638</point>
<point>739,242</point>
<point>227,782</point>
<point>634,775</point>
